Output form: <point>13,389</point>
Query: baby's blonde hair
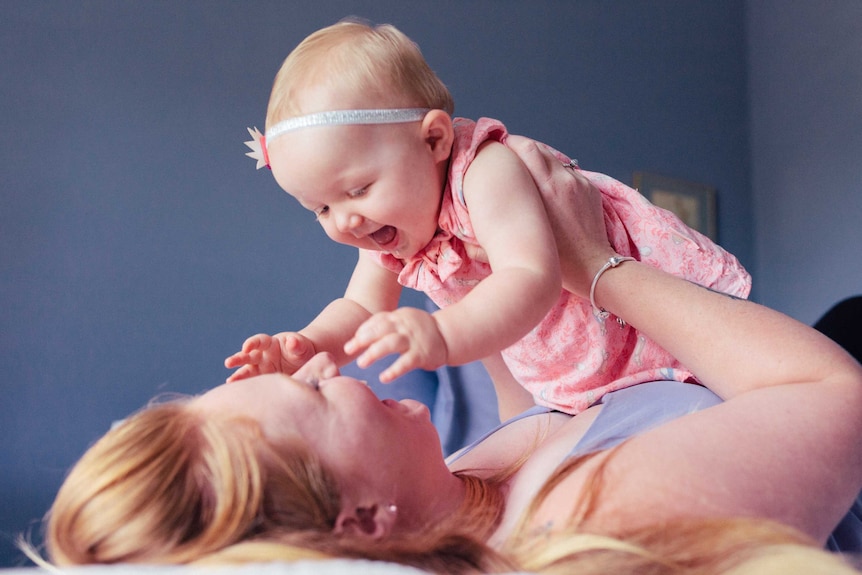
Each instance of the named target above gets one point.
<point>378,63</point>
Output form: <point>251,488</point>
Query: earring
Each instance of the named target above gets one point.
<point>392,508</point>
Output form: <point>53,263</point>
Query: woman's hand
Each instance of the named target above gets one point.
<point>780,424</point>
<point>574,208</point>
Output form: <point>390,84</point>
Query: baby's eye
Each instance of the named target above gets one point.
<point>320,212</point>
<point>358,193</point>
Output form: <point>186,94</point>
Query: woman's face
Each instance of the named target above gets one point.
<point>364,441</point>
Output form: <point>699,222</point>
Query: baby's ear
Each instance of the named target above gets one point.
<point>373,522</point>
<point>439,133</point>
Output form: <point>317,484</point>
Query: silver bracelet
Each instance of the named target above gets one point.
<point>612,262</point>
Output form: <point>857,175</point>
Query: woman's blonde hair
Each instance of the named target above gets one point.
<point>689,546</point>
<point>170,486</point>
<point>379,63</point>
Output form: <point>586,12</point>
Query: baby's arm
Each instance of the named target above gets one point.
<point>371,289</point>
<point>510,223</point>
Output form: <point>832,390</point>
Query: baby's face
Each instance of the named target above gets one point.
<point>375,187</point>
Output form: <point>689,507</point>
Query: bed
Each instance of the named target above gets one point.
<point>329,567</point>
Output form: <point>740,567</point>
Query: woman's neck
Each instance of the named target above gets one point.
<point>432,503</point>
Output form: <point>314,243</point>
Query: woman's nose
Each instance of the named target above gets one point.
<point>321,366</point>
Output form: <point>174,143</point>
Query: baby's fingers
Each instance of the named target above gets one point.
<point>295,351</point>
<point>405,363</point>
<point>250,345</point>
<point>371,330</point>
<point>297,348</point>
<point>250,353</point>
<point>235,360</point>
<point>387,345</point>
<point>244,372</point>
<point>256,342</point>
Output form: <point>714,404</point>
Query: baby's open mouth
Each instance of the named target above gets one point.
<point>384,236</point>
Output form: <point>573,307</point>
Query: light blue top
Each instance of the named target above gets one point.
<point>626,413</point>
<point>634,410</point>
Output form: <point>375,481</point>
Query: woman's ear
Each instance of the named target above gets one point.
<point>439,134</point>
<point>373,522</point>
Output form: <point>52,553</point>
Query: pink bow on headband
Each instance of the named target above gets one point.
<point>258,148</point>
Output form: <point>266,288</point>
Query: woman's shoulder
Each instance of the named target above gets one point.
<point>551,447</point>
<point>538,440</point>
<point>510,442</point>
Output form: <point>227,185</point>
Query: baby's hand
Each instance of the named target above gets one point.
<point>411,332</point>
<point>262,353</point>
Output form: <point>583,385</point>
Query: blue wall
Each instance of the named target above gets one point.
<point>138,246</point>
<point>806,110</point>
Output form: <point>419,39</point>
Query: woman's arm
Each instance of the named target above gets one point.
<point>703,329</point>
<point>734,346</point>
<point>784,445</point>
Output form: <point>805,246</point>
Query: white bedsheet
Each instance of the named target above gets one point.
<point>329,567</point>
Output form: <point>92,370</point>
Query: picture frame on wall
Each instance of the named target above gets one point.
<point>692,202</point>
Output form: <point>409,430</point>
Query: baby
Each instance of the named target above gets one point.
<point>360,132</point>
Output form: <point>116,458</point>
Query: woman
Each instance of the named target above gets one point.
<point>663,478</point>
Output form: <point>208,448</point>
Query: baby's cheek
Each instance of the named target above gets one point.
<point>338,237</point>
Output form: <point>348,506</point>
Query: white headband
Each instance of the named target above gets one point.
<point>345,117</point>
<point>332,118</point>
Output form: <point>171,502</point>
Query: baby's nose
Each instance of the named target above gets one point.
<point>348,222</point>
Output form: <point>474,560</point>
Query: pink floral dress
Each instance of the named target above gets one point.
<point>571,358</point>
